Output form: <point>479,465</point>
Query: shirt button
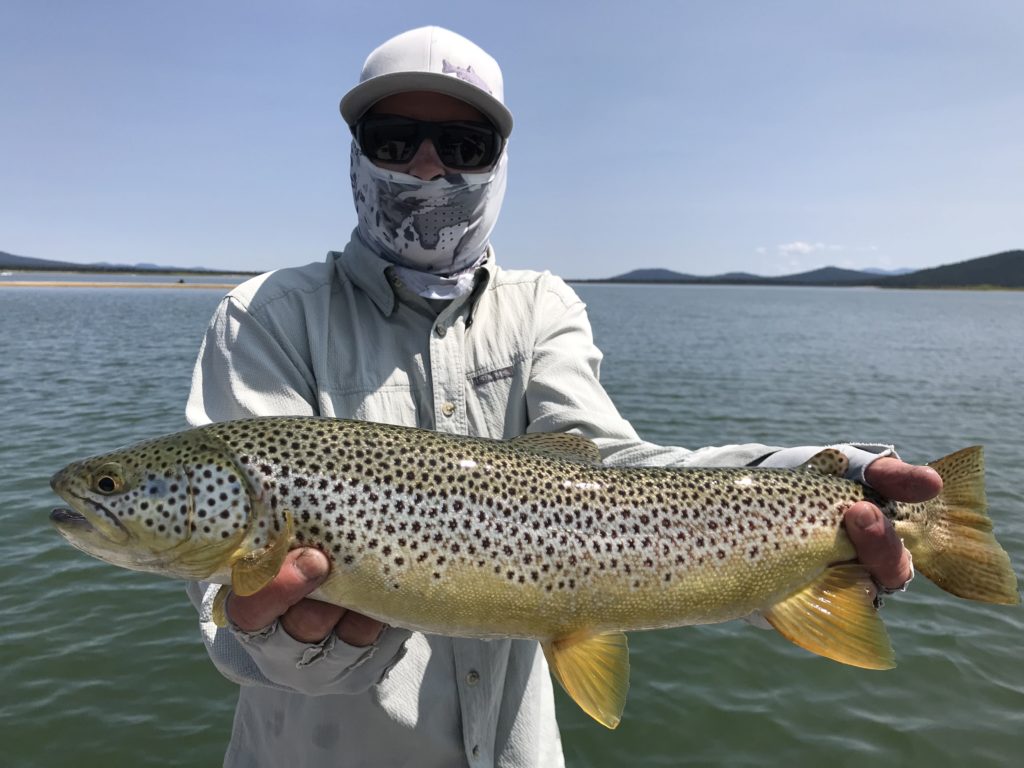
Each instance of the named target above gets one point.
<point>473,677</point>
<point>441,331</point>
<point>448,409</point>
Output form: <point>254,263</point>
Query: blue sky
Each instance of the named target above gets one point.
<point>698,136</point>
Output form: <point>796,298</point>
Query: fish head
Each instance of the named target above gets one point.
<point>177,505</point>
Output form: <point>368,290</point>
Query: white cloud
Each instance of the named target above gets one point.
<point>801,247</point>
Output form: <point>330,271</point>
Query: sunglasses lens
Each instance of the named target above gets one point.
<point>388,141</point>
<point>467,146</point>
<point>462,146</point>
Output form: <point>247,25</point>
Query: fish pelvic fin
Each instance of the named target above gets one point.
<point>834,616</point>
<point>951,539</point>
<point>253,570</point>
<point>219,609</point>
<point>594,671</point>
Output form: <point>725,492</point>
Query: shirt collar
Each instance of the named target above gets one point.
<point>373,274</point>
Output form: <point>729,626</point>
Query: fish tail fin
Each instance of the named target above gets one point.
<point>951,539</point>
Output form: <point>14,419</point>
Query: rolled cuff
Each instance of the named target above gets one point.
<point>860,455</point>
<point>330,666</point>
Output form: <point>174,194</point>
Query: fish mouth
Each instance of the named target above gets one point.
<point>102,522</point>
<point>68,518</point>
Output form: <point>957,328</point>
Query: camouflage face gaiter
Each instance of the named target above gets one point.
<point>439,228</point>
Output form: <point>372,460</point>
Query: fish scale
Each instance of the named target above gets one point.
<point>531,537</point>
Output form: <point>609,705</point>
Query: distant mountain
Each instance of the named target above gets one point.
<point>876,271</point>
<point>826,276</point>
<point>739,277</point>
<point>655,276</point>
<point>1001,270</point>
<point>10,261</point>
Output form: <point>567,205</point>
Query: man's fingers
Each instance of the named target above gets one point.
<point>900,481</point>
<point>878,547</point>
<point>310,621</point>
<point>302,572</point>
<point>358,630</point>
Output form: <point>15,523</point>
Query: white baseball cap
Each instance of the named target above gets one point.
<point>431,59</point>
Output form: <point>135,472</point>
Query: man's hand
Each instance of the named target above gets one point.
<point>308,621</point>
<point>878,547</point>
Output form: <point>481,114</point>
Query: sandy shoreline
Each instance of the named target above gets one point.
<point>101,284</point>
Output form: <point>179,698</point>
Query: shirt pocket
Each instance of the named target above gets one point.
<point>392,401</point>
<point>496,399</point>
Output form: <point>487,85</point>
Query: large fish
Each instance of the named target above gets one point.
<point>530,537</point>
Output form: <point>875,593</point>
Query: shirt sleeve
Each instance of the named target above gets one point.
<point>565,393</point>
<point>247,369</point>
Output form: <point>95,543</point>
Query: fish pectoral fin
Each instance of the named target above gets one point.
<point>558,445</point>
<point>219,609</point>
<point>834,616</point>
<point>594,671</point>
<point>251,571</point>
<point>829,461</point>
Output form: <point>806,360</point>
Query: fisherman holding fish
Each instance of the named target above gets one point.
<point>414,323</point>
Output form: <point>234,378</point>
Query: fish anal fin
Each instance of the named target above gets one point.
<point>834,616</point>
<point>828,461</point>
<point>558,445</point>
<point>594,671</point>
<point>254,569</point>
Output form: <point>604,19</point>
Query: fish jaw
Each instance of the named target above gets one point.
<point>80,532</point>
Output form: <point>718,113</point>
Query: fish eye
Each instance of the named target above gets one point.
<point>108,480</point>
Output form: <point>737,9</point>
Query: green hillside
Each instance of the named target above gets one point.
<point>1001,270</point>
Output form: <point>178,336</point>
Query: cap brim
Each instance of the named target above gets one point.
<point>355,103</point>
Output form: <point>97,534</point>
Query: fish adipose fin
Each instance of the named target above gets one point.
<point>834,616</point>
<point>951,536</point>
<point>251,571</point>
<point>558,445</point>
<point>594,671</point>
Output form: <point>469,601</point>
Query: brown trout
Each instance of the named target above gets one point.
<point>530,537</point>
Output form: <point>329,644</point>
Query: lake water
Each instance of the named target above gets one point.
<point>100,666</point>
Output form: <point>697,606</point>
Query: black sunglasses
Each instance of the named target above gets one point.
<point>461,145</point>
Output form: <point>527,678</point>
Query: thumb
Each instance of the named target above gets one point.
<point>303,571</point>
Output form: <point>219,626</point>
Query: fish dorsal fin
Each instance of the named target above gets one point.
<point>594,671</point>
<point>558,445</point>
<point>253,570</point>
<point>834,616</point>
<point>829,461</point>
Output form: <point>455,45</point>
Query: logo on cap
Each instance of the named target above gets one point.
<point>467,74</point>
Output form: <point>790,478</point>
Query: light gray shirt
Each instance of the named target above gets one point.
<point>344,338</point>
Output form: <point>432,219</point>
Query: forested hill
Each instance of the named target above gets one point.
<point>10,261</point>
<point>1001,270</point>
<point>31,264</point>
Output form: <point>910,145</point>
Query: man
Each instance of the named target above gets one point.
<point>415,324</point>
